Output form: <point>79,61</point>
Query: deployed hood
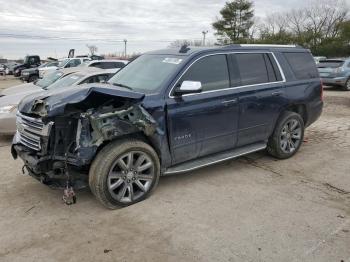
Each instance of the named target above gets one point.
<point>53,102</point>
<point>24,88</point>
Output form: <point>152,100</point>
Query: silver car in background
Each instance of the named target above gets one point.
<point>10,98</point>
<point>335,72</point>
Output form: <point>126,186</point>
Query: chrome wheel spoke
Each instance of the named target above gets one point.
<point>144,167</point>
<point>123,166</point>
<point>284,144</point>
<point>130,160</point>
<point>141,159</point>
<point>131,192</point>
<point>145,177</point>
<point>140,185</point>
<point>123,191</point>
<point>115,185</point>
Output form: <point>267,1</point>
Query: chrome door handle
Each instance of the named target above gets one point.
<point>230,102</point>
<point>277,93</point>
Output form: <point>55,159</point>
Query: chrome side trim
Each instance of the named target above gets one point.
<point>234,87</point>
<point>216,161</point>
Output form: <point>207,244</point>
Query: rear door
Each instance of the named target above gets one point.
<point>261,97</point>
<point>204,123</point>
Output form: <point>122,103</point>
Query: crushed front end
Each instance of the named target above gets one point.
<point>57,141</point>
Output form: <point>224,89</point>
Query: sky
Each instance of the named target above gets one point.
<point>52,27</point>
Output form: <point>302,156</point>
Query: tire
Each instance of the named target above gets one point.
<point>32,78</point>
<point>347,86</point>
<point>115,177</point>
<point>286,138</point>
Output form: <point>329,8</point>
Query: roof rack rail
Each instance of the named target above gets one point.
<point>267,45</point>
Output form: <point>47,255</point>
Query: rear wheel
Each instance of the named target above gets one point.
<point>123,173</point>
<point>287,136</point>
<point>347,85</point>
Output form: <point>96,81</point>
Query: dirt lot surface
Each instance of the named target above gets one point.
<point>250,209</point>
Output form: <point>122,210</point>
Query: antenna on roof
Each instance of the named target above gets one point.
<point>184,48</point>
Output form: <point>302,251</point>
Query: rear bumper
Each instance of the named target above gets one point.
<point>314,112</point>
<point>7,124</point>
<point>335,81</point>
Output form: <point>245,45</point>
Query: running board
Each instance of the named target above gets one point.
<point>213,159</point>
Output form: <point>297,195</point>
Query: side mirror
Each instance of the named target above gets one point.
<point>189,87</point>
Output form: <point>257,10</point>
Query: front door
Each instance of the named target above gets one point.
<point>204,123</point>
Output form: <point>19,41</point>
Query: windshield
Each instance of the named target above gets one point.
<point>63,63</point>
<point>49,79</point>
<point>147,73</point>
<point>66,81</point>
<point>330,64</point>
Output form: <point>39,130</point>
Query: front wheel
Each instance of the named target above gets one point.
<point>124,173</point>
<point>287,136</point>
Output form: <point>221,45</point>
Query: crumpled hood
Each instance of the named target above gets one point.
<point>54,101</point>
<point>23,88</point>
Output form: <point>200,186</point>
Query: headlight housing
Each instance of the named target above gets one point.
<point>7,109</point>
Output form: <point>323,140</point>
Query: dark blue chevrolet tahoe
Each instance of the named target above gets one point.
<point>167,112</point>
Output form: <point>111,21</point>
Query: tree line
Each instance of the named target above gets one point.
<point>323,26</point>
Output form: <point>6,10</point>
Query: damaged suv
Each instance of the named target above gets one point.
<point>167,112</point>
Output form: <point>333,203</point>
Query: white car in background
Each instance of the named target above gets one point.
<point>65,78</point>
<point>65,63</point>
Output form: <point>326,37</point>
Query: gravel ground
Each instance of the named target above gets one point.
<point>254,208</point>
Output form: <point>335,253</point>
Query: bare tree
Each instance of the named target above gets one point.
<point>179,43</point>
<point>92,48</point>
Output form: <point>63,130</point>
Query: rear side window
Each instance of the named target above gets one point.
<point>119,65</point>
<point>252,68</point>
<point>211,71</point>
<point>303,65</point>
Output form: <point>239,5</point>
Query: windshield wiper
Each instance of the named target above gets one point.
<point>121,85</point>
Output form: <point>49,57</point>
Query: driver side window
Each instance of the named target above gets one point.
<point>211,71</point>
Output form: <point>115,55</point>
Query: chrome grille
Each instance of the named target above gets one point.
<point>30,131</point>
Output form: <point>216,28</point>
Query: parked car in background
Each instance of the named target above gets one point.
<point>55,80</point>
<point>31,61</point>
<point>65,63</point>
<point>335,72</point>
<point>32,74</point>
<point>167,112</point>
<point>3,69</point>
<point>112,65</point>
<point>10,66</point>
<point>319,58</point>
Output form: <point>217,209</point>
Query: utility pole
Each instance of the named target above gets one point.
<point>125,41</point>
<point>204,34</point>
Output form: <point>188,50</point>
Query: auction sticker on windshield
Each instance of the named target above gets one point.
<point>172,60</point>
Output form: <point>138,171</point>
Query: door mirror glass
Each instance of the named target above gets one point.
<point>189,87</point>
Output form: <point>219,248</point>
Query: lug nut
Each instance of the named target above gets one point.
<point>124,177</point>
<point>128,181</point>
<point>133,178</point>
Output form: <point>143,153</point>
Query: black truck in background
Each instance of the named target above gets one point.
<point>30,61</point>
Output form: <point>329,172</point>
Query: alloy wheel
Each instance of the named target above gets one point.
<point>131,176</point>
<point>290,137</point>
